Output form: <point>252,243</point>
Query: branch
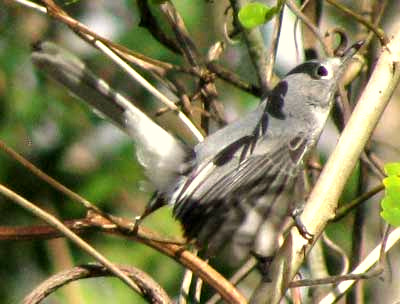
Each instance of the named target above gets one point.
<point>255,44</point>
<point>372,27</point>
<point>192,55</point>
<point>145,285</point>
<point>57,224</point>
<point>51,181</point>
<point>143,235</point>
<point>114,52</point>
<point>366,264</point>
<point>323,200</point>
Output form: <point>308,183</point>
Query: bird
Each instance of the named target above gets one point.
<point>236,186</point>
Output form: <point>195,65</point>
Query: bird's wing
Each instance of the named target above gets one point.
<point>216,197</point>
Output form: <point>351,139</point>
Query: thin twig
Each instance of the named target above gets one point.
<point>172,249</point>
<point>323,200</point>
<point>232,78</point>
<point>293,7</point>
<point>335,279</point>
<point>186,44</point>
<point>145,285</point>
<point>198,287</point>
<point>148,21</point>
<point>51,181</point>
<point>55,11</point>
<point>139,78</point>
<point>378,163</point>
<point>274,47</point>
<point>376,30</point>
<point>343,211</point>
<point>192,55</point>
<point>247,267</point>
<point>366,264</point>
<point>335,248</point>
<point>185,286</point>
<point>255,44</point>
<point>57,224</point>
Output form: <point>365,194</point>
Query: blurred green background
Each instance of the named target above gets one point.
<point>61,136</point>
<point>44,123</point>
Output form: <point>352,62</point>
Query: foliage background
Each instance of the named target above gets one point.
<point>66,140</point>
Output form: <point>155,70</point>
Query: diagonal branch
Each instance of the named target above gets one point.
<point>57,224</point>
<point>255,44</point>
<point>116,53</point>
<point>322,203</point>
<point>171,248</point>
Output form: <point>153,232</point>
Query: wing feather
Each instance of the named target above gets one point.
<point>231,195</point>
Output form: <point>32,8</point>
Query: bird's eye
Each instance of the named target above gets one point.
<point>322,71</point>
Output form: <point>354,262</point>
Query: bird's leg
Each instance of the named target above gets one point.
<point>296,213</point>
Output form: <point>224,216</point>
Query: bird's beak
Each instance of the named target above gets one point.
<point>351,51</point>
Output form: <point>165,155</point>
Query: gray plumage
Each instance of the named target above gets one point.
<point>235,186</point>
<point>243,175</point>
<point>158,151</point>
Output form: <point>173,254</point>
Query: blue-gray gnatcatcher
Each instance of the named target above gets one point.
<point>234,186</point>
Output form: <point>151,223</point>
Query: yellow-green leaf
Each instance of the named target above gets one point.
<point>392,216</point>
<point>392,187</point>
<point>392,169</point>
<point>255,14</point>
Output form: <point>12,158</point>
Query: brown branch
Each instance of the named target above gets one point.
<point>273,48</point>
<point>148,21</point>
<point>42,232</point>
<point>323,199</point>
<point>372,27</point>
<point>293,7</point>
<point>123,225</point>
<point>146,286</point>
<point>171,248</point>
<point>192,55</point>
<point>185,42</point>
<point>48,179</point>
<point>54,11</point>
<point>239,275</point>
<point>255,45</point>
<point>234,79</point>
<point>343,211</point>
<point>336,279</point>
<point>59,226</point>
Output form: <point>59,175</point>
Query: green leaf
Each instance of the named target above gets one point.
<point>271,13</point>
<point>255,14</point>
<point>392,169</point>
<point>392,216</point>
<point>392,185</point>
<point>391,202</point>
<point>388,203</point>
